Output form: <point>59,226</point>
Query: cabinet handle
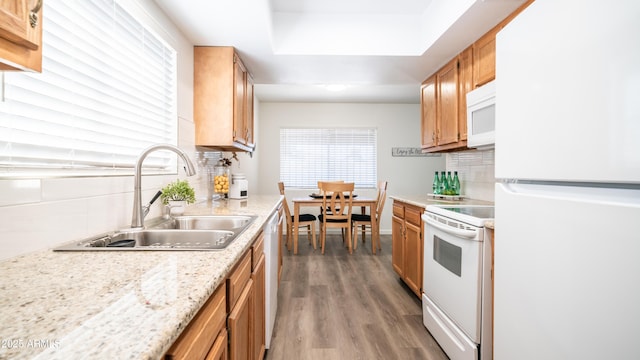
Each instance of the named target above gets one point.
<point>33,14</point>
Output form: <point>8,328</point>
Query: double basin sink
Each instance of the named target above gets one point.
<point>206,232</point>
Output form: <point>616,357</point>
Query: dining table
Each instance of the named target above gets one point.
<point>363,202</point>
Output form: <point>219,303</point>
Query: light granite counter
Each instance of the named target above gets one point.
<point>110,304</point>
<point>424,200</point>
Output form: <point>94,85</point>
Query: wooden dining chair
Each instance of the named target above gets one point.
<point>363,221</point>
<point>307,221</point>
<point>337,199</point>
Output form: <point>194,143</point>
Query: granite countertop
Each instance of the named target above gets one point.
<point>424,200</point>
<point>114,305</point>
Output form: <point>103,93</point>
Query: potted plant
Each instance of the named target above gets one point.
<point>177,195</point>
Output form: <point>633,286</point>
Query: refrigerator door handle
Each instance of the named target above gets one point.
<point>469,234</point>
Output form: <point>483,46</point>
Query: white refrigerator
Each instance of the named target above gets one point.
<point>567,199</point>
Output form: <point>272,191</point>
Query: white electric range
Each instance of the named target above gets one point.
<point>456,298</point>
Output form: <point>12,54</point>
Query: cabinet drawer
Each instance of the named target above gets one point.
<point>219,349</point>
<point>413,215</point>
<point>257,250</point>
<point>238,279</point>
<point>196,340</point>
<point>398,209</point>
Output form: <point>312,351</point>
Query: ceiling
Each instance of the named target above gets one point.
<point>375,50</point>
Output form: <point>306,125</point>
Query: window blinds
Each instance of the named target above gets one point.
<point>309,155</point>
<point>107,91</point>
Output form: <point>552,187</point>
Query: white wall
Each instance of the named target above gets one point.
<point>398,126</point>
<point>36,214</point>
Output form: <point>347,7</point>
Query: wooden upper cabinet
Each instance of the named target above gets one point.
<point>443,118</point>
<point>484,58</point>
<point>222,86</point>
<point>447,83</point>
<point>443,96</point>
<point>465,84</point>
<point>484,50</point>
<point>248,124</point>
<point>21,35</point>
<point>428,101</point>
<point>239,106</point>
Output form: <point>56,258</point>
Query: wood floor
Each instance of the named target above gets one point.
<point>341,306</point>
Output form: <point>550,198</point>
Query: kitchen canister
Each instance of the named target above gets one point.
<point>221,185</point>
<point>239,188</point>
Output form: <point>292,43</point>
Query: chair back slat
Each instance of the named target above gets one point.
<point>382,196</point>
<point>338,199</point>
<point>284,202</point>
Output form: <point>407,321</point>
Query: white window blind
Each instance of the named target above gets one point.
<point>309,155</point>
<point>106,92</point>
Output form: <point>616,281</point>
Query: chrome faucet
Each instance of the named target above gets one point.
<point>137,220</point>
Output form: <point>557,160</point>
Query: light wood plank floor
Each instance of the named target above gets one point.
<point>341,306</point>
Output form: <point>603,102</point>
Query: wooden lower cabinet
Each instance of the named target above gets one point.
<point>202,334</point>
<point>220,349</point>
<point>239,324</point>
<point>407,244</point>
<point>231,324</point>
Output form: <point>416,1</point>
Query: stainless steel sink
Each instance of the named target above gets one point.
<point>210,232</point>
<point>206,222</point>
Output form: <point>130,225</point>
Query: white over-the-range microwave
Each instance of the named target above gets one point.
<point>481,116</point>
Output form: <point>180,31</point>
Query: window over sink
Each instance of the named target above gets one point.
<point>106,92</point>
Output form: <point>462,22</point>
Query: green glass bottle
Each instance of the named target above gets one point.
<point>436,184</point>
<point>449,184</point>
<point>443,183</point>
<point>456,183</point>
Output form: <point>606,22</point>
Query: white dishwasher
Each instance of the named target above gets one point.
<point>271,275</point>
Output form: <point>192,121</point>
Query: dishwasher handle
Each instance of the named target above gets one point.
<point>464,233</point>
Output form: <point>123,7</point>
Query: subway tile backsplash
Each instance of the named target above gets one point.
<point>476,172</point>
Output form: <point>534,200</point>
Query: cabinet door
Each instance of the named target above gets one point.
<point>429,112</point>
<point>239,324</point>
<point>413,257</point>
<point>239,106</point>
<point>258,311</point>
<point>20,42</point>
<point>237,280</point>
<point>248,113</point>
<point>484,58</point>
<point>397,244</point>
<point>447,84</point>
<point>196,340</point>
<point>219,349</point>
<point>465,84</point>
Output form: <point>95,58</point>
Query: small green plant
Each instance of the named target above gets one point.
<point>177,191</point>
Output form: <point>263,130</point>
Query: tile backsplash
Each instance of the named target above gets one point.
<point>476,172</point>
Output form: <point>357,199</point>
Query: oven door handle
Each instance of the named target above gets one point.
<point>468,234</point>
